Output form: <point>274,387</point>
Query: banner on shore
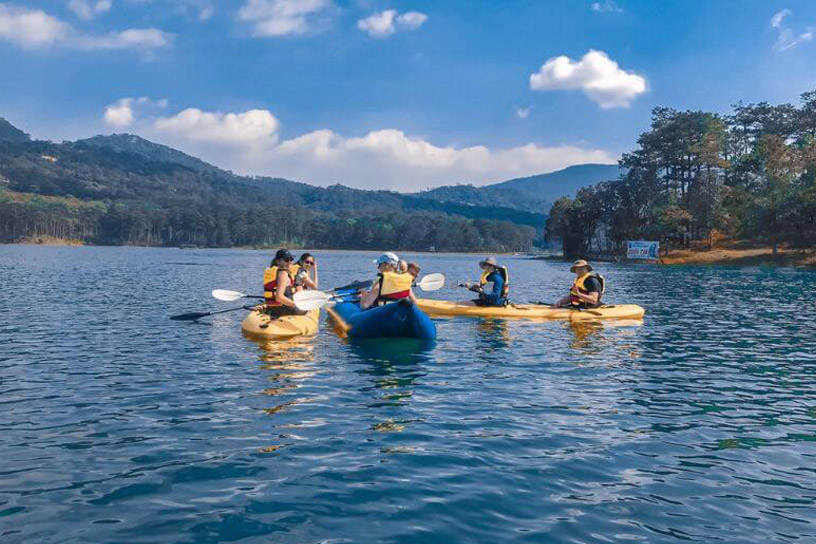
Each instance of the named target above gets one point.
<point>642,249</point>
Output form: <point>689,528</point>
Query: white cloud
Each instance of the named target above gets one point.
<point>522,113</point>
<point>596,74</point>
<point>273,18</point>
<point>386,23</point>
<point>256,128</point>
<point>121,114</point>
<point>206,13</point>
<point>251,143</point>
<point>35,29</point>
<point>411,20</point>
<point>88,9</point>
<point>787,38</point>
<point>607,6</point>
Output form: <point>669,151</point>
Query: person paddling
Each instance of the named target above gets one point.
<point>304,272</point>
<point>587,289</point>
<point>390,285</point>
<point>279,285</point>
<point>499,279</point>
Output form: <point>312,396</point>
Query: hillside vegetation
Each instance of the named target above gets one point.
<point>699,176</point>
<point>122,189</point>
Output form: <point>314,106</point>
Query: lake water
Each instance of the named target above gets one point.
<point>118,425</point>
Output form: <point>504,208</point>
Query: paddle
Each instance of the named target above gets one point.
<point>312,300</point>
<point>192,316</point>
<point>230,296</point>
<point>577,308</point>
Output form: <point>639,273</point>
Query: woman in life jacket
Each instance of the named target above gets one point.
<point>499,279</point>
<point>304,271</point>
<point>390,286</point>
<point>279,286</point>
<point>587,289</point>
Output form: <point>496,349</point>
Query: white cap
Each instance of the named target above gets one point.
<point>387,258</point>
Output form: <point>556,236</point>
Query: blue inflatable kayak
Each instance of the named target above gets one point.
<point>395,320</point>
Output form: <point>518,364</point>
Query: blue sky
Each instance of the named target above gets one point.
<point>392,94</point>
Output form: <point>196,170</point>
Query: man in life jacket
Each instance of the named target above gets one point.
<point>587,289</point>
<point>499,279</point>
<point>390,286</point>
<point>279,285</point>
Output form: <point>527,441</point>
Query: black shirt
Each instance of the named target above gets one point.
<point>592,285</point>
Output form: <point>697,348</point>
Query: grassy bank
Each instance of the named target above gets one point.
<point>740,254</point>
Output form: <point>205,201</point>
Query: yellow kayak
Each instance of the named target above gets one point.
<point>530,311</point>
<point>259,325</point>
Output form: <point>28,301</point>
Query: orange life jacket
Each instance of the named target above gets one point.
<point>578,286</point>
<point>394,286</point>
<point>271,285</point>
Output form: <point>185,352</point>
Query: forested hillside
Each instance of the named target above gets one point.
<point>697,176</point>
<point>122,189</point>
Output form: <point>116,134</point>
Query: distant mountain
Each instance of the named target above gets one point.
<point>564,182</point>
<point>10,133</point>
<point>534,194</point>
<point>135,145</point>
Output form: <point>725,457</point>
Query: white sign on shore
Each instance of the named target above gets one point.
<point>641,249</point>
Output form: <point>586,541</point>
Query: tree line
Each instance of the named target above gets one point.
<point>697,176</point>
<point>99,195</point>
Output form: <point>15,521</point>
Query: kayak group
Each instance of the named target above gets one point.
<point>387,307</point>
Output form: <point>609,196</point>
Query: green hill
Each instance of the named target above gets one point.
<point>10,133</point>
<point>148,194</point>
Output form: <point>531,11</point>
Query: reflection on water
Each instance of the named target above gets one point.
<point>697,424</point>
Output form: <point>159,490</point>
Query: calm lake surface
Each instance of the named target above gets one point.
<point>118,425</point>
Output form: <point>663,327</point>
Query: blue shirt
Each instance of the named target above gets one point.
<point>494,296</point>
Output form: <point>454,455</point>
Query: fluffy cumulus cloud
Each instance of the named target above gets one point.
<point>250,143</point>
<point>88,9</point>
<point>386,23</point>
<point>36,29</point>
<point>274,18</point>
<point>787,38</point>
<point>598,76</point>
<point>122,113</point>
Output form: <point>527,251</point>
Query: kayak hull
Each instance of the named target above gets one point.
<point>396,320</point>
<point>260,326</point>
<point>529,311</point>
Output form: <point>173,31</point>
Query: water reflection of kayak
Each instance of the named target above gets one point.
<point>396,320</point>
<point>530,311</point>
<point>259,325</point>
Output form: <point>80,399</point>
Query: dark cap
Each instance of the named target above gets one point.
<point>284,254</point>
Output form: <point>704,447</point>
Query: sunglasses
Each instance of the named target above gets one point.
<point>310,263</point>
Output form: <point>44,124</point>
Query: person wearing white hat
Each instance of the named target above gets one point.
<point>390,285</point>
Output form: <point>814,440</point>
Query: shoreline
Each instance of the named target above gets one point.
<point>738,254</point>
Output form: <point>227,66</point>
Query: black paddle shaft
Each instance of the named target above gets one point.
<point>191,316</point>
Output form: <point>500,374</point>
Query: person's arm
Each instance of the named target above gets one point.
<point>315,282</point>
<point>368,297</point>
<point>412,296</point>
<point>283,281</point>
<point>593,288</point>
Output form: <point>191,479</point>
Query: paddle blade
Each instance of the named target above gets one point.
<point>227,295</point>
<point>311,300</point>
<point>432,282</point>
<point>189,316</point>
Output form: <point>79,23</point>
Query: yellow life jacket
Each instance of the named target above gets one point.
<point>394,286</point>
<point>271,285</point>
<point>505,274</point>
<point>578,287</point>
